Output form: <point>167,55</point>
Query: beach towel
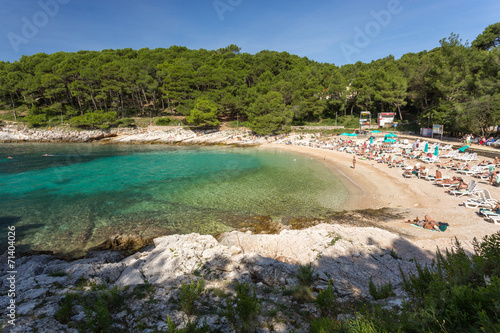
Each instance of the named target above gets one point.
<point>416,225</point>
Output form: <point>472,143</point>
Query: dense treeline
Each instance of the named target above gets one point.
<point>456,85</point>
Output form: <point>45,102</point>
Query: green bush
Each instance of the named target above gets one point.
<point>65,312</point>
<point>326,302</point>
<point>94,119</point>
<point>203,114</point>
<point>190,293</point>
<point>163,121</point>
<point>125,122</point>
<point>190,327</point>
<point>306,275</point>
<point>98,318</point>
<point>242,312</point>
<point>324,325</point>
<point>460,291</point>
<point>380,292</point>
<point>37,120</point>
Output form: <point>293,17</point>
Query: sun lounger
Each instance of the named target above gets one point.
<point>494,219</point>
<point>487,196</point>
<point>450,154</point>
<point>471,189</point>
<point>479,202</point>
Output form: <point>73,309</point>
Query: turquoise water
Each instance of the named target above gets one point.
<point>80,194</point>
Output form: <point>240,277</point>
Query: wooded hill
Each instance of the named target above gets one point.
<point>456,85</point>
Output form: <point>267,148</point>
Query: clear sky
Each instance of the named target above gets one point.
<point>333,31</point>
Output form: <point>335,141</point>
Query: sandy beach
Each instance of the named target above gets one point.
<point>379,186</point>
<point>372,185</point>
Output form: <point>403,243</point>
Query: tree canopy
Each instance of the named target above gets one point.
<point>456,85</point>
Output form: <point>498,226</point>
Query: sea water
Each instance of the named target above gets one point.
<point>67,198</point>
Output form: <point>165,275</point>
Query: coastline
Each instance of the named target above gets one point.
<point>368,241</point>
<point>386,188</point>
<point>373,185</point>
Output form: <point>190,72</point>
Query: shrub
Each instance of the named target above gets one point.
<point>64,314</point>
<point>37,120</point>
<point>324,325</point>
<point>362,325</point>
<point>458,290</point>
<point>306,275</point>
<point>204,113</point>
<point>125,122</point>
<point>302,294</point>
<point>190,293</point>
<point>190,327</point>
<point>244,311</point>
<point>143,290</point>
<point>163,121</point>
<point>326,302</point>
<point>94,119</point>
<point>380,292</point>
<point>98,318</point>
<point>486,260</point>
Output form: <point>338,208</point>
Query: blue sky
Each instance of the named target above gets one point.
<point>337,32</point>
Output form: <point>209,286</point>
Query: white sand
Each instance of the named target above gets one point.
<point>379,186</point>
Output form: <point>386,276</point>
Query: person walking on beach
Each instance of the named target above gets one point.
<point>354,162</point>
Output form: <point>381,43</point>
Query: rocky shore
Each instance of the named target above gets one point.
<point>152,134</point>
<point>143,292</point>
<point>149,280</point>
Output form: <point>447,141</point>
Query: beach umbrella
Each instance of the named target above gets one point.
<point>371,140</point>
<point>426,149</point>
<point>463,149</point>
<point>375,131</point>
<point>391,135</point>
<point>353,134</point>
<point>345,134</point>
<point>436,151</point>
<point>389,141</point>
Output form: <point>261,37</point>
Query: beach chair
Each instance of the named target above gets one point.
<point>480,202</point>
<point>486,212</point>
<point>487,196</point>
<point>461,157</point>
<point>471,189</point>
<point>450,154</point>
<point>431,160</point>
<point>472,171</point>
<point>495,219</point>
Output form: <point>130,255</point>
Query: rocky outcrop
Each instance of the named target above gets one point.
<point>346,256</point>
<point>124,244</point>
<point>165,135</point>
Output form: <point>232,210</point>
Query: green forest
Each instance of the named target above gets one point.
<point>456,84</point>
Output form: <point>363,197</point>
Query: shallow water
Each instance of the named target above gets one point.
<point>69,197</point>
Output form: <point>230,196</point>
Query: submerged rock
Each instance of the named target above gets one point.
<point>125,244</point>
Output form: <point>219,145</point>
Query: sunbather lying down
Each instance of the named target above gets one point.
<point>453,180</point>
<point>429,223</point>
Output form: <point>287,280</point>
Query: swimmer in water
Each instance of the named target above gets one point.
<point>9,157</point>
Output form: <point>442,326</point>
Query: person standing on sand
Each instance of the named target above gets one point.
<point>354,162</point>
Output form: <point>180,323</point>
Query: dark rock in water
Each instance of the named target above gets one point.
<point>125,244</point>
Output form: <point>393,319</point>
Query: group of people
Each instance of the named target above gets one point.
<point>486,142</point>
<point>428,223</point>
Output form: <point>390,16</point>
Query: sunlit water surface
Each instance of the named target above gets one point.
<point>80,194</point>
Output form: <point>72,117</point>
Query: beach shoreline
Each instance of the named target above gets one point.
<point>373,185</point>
<point>385,187</point>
